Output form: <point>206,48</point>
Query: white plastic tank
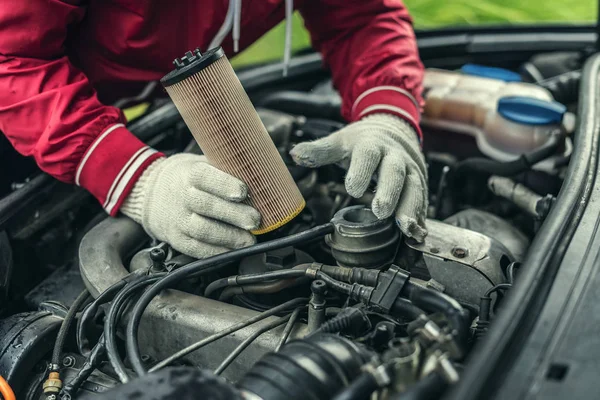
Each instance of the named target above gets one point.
<point>468,104</point>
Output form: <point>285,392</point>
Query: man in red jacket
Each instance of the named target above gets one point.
<point>63,61</point>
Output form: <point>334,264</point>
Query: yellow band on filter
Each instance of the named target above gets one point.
<point>281,223</point>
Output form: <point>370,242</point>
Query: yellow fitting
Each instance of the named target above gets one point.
<point>53,384</point>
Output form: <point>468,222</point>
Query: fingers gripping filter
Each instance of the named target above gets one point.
<point>218,112</point>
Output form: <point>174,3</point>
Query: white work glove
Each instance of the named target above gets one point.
<point>193,206</point>
<point>380,144</point>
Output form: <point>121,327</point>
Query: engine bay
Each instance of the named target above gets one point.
<point>334,304</point>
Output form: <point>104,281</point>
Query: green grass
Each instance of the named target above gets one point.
<point>436,13</point>
<point>432,13</point>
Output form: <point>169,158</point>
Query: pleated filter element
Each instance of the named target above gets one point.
<point>218,112</point>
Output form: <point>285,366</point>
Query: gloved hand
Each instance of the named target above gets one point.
<point>388,146</point>
<point>193,206</point>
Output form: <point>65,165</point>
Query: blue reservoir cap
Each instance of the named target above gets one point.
<point>491,72</point>
<point>530,111</point>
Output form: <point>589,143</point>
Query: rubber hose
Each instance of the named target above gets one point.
<point>90,312</point>
<point>179,383</point>
<point>360,389</point>
<point>287,331</point>
<point>430,387</point>
<point>564,87</point>
<point>302,103</point>
<point>112,317</point>
<point>248,341</point>
<point>313,368</point>
<point>432,301</point>
<point>6,390</point>
<point>335,284</point>
<point>260,288</point>
<point>66,325</point>
<point>95,358</point>
<point>403,308</point>
<point>296,272</point>
<point>510,168</point>
<point>347,318</point>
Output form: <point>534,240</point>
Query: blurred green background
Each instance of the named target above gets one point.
<point>436,13</point>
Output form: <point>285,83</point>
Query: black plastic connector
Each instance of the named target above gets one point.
<point>389,285</point>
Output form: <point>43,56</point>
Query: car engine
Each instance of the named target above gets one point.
<point>335,304</point>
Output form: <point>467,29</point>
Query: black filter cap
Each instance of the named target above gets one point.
<point>191,63</point>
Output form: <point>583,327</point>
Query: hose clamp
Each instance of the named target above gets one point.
<point>312,271</point>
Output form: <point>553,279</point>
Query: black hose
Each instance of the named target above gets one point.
<point>335,284</point>
<point>314,368</point>
<point>500,286</point>
<point>94,359</point>
<point>242,346</point>
<point>209,339</point>
<point>111,321</point>
<point>510,271</point>
<point>405,309</point>
<point>253,278</point>
<point>66,325</point>
<point>360,389</point>
<point>260,288</point>
<point>310,105</point>
<point>90,311</point>
<point>202,267</point>
<point>362,276</point>
<point>429,387</point>
<point>349,317</point>
<point>485,308</point>
<point>564,87</point>
<point>510,168</point>
<point>335,276</point>
<point>433,301</point>
<point>287,331</point>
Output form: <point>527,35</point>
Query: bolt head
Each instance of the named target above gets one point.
<point>68,361</point>
<point>460,252</point>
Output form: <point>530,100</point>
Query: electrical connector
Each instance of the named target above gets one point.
<point>389,285</point>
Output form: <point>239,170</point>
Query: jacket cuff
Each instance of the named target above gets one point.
<point>390,100</point>
<point>112,165</point>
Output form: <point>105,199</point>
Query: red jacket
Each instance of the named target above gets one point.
<point>60,59</point>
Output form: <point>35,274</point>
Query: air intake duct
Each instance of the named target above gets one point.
<point>218,112</point>
<point>314,368</point>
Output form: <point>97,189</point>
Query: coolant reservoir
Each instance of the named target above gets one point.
<point>477,106</point>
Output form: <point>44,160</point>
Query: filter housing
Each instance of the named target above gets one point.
<point>218,112</point>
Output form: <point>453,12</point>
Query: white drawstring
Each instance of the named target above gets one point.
<point>287,51</point>
<point>237,18</point>
<point>224,29</point>
<point>233,20</point>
